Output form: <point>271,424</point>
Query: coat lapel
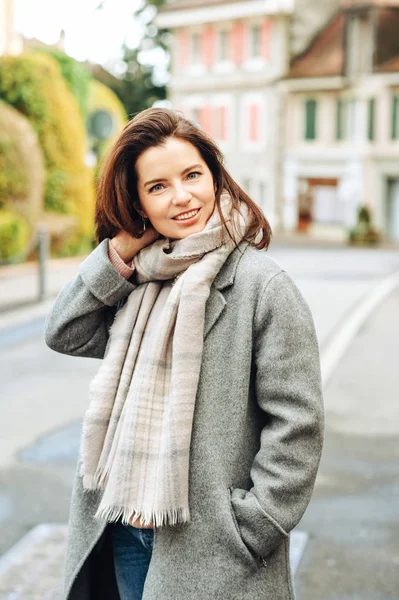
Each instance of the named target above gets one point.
<point>216,301</point>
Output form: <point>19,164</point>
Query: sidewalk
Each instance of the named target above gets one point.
<point>353,518</point>
<point>19,284</point>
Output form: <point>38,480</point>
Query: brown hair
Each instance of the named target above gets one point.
<point>118,205</point>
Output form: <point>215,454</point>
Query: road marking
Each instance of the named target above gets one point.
<point>298,541</point>
<point>33,568</point>
<point>345,334</point>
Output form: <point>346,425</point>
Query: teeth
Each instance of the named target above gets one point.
<point>187,215</point>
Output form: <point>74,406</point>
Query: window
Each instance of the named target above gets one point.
<point>395,117</point>
<point>223,44</point>
<point>310,119</point>
<point>195,48</point>
<point>371,120</point>
<point>255,35</point>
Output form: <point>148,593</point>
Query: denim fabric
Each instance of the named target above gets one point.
<point>132,549</point>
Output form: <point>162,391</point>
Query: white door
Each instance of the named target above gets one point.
<point>327,205</point>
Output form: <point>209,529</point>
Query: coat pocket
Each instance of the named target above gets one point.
<point>244,547</point>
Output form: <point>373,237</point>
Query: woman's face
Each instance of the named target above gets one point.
<point>173,180</point>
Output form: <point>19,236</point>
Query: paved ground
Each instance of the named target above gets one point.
<point>19,284</point>
<point>43,398</point>
<point>353,518</point>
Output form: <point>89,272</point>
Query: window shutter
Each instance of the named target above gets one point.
<point>208,45</point>
<point>254,122</point>
<point>266,39</point>
<point>395,114</point>
<point>310,119</point>
<point>371,123</point>
<point>340,117</point>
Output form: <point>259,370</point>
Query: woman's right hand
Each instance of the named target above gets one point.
<point>128,246</point>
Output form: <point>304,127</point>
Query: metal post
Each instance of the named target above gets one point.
<point>43,252</point>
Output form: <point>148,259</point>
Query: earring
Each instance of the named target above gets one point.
<point>144,227</point>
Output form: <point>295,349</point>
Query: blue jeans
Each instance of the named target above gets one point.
<point>132,550</point>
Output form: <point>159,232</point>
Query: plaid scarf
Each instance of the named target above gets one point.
<point>137,429</point>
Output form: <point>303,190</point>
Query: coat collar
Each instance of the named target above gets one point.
<point>226,275</point>
<point>216,301</point>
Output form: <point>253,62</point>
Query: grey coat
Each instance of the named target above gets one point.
<point>256,440</point>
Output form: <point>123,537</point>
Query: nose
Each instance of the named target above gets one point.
<point>181,195</point>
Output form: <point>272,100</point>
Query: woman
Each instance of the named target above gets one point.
<point>204,430</point>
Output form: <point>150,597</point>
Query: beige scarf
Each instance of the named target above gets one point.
<point>137,429</point>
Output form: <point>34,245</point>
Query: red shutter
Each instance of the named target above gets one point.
<point>205,118</point>
<point>237,42</point>
<point>208,45</point>
<point>266,39</point>
<point>254,122</point>
<point>223,123</point>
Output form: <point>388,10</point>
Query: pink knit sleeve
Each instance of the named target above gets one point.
<point>126,270</point>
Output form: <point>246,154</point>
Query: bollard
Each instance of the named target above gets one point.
<point>43,252</point>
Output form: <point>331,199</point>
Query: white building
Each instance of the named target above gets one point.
<point>225,60</point>
<point>10,41</point>
<point>342,124</point>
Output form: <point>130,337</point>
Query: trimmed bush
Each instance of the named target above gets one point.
<point>14,236</point>
<point>22,172</point>
<point>364,234</point>
<point>33,84</point>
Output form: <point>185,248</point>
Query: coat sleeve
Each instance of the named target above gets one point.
<point>79,321</point>
<point>288,389</point>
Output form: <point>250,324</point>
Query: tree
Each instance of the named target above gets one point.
<point>138,88</point>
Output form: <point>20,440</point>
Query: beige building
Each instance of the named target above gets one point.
<point>226,57</point>
<point>341,148</point>
<point>10,42</point>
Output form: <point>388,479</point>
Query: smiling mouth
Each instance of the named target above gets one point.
<point>188,215</point>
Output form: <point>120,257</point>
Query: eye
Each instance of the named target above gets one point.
<point>157,185</point>
<point>194,173</point>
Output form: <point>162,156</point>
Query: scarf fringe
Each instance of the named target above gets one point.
<point>172,516</point>
<point>94,481</point>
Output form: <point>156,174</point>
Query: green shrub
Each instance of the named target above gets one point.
<point>76,75</point>
<point>21,166</point>
<point>364,233</point>
<point>34,85</point>
<point>14,236</point>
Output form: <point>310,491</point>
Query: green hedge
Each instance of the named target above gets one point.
<point>14,236</point>
<point>76,75</point>
<point>22,172</point>
<point>33,83</point>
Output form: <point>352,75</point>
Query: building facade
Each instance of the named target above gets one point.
<point>10,42</point>
<point>226,57</point>
<point>341,101</point>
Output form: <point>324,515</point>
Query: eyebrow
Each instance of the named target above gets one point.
<point>163,178</point>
